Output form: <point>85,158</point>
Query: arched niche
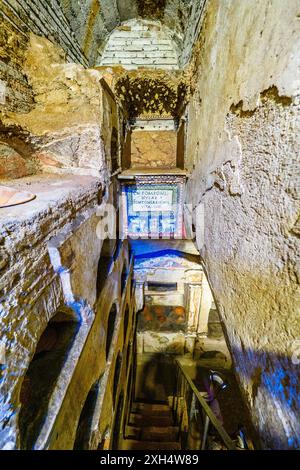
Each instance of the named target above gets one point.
<point>105,440</point>
<point>117,376</point>
<point>118,431</point>
<point>104,264</point>
<point>110,328</point>
<point>123,278</point>
<point>125,324</point>
<point>86,417</point>
<point>41,377</point>
<point>164,53</point>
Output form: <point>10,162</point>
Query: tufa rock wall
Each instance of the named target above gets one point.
<point>150,149</point>
<point>243,148</point>
<point>17,20</point>
<point>66,130</point>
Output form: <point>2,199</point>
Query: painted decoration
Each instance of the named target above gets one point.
<point>153,209</point>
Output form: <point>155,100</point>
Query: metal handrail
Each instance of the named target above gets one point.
<point>209,413</point>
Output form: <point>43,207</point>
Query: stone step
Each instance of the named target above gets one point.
<point>153,433</point>
<point>131,444</point>
<point>141,420</point>
<point>151,408</point>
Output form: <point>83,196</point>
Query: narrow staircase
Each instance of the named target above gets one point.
<point>151,427</point>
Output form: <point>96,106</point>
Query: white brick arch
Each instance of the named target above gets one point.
<point>140,43</point>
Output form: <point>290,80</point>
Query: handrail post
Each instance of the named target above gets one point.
<point>209,415</point>
<point>205,431</point>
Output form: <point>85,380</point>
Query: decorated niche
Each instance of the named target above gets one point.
<point>153,208</point>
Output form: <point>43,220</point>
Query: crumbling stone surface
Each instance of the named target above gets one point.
<point>19,19</point>
<point>147,93</point>
<point>244,155</point>
<point>143,154</point>
<point>31,291</point>
<point>70,127</point>
<point>193,20</point>
<point>13,165</point>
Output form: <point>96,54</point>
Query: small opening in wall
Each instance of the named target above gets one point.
<point>105,441</point>
<point>117,376</point>
<point>126,319</point>
<point>117,433</point>
<point>85,420</point>
<point>123,278</point>
<point>104,264</point>
<point>42,374</point>
<point>162,286</point>
<point>110,328</point>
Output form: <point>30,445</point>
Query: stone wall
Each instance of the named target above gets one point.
<point>242,142</point>
<point>50,259</point>
<point>93,21</point>
<point>18,19</point>
<point>31,291</point>
<point>153,149</point>
<point>92,368</point>
<point>194,22</point>
<point>140,43</point>
<point>69,130</point>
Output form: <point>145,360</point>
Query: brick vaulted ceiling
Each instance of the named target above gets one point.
<point>92,21</point>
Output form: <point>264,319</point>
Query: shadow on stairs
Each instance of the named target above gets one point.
<point>151,427</point>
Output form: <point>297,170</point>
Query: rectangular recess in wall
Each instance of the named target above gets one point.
<point>162,286</point>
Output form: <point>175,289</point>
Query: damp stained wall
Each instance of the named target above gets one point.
<point>243,150</point>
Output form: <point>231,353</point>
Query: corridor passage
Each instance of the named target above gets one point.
<point>149,225</point>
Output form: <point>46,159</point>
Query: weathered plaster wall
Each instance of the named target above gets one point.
<point>140,43</point>
<point>69,128</point>
<point>153,149</point>
<point>243,144</point>
<point>17,20</point>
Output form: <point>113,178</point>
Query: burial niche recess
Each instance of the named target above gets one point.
<point>42,374</point>
<point>110,328</point>
<point>123,278</point>
<point>117,376</point>
<point>126,320</point>
<point>86,417</point>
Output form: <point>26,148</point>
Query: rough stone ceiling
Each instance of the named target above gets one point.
<point>93,20</point>
<point>148,93</point>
